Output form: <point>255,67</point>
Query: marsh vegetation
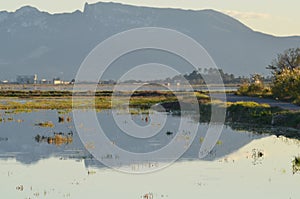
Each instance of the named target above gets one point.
<point>56,139</point>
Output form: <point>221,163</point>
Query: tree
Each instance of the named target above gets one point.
<point>286,75</point>
<point>286,85</point>
<point>289,60</point>
<point>256,78</point>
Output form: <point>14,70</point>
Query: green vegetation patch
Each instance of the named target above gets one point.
<point>250,112</point>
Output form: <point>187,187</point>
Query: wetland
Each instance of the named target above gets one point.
<point>43,156</point>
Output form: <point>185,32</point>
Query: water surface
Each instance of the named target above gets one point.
<point>242,164</point>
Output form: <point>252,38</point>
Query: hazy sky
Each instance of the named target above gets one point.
<point>275,17</point>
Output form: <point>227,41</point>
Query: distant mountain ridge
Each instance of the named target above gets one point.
<point>52,45</point>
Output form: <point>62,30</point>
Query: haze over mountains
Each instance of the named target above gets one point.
<point>35,42</point>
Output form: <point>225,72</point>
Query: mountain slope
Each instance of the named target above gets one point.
<point>55,45</point>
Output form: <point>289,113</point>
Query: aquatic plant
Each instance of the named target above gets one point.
<point>296,165</point>
<point>58,139</point>
<point>91,172</point>
<point>10,119</point>
<point>61,119</point>
<point>47,124</point>
<point>257,156</point>
<point>69,119</point>
<point>219,142</point>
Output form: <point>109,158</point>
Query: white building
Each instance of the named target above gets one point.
<point>57,82</point>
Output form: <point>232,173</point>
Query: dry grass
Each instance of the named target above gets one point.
<point>47,124</point>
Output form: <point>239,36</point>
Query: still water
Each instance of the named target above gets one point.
<point>33,164</point>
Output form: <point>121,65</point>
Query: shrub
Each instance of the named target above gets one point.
<point>286,85</point>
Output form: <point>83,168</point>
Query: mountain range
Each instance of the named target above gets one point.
<point>53,45</point>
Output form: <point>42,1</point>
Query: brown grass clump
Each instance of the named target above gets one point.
<point>47,124</point>
<point>59,140</point>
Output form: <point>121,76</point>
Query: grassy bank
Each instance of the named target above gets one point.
<point>238,115</point>
<point>251,116</point>
<point>238,112</point>
<point>26,100</point>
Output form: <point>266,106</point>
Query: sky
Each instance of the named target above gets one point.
<point>276,17</point>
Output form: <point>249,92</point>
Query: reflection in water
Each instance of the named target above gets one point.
<point>296,165</point>
<point>257,156</point>
<point>25,140</point>
<point>242,164</point>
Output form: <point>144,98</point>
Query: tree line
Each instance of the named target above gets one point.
<point>208,76</point>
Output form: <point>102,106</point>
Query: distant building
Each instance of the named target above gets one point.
<point>27,79</point>
<point>45,81</point>
<point>58,81</point>
<point>4,82</point>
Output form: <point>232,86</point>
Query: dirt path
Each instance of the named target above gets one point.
<point>271,102</point>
